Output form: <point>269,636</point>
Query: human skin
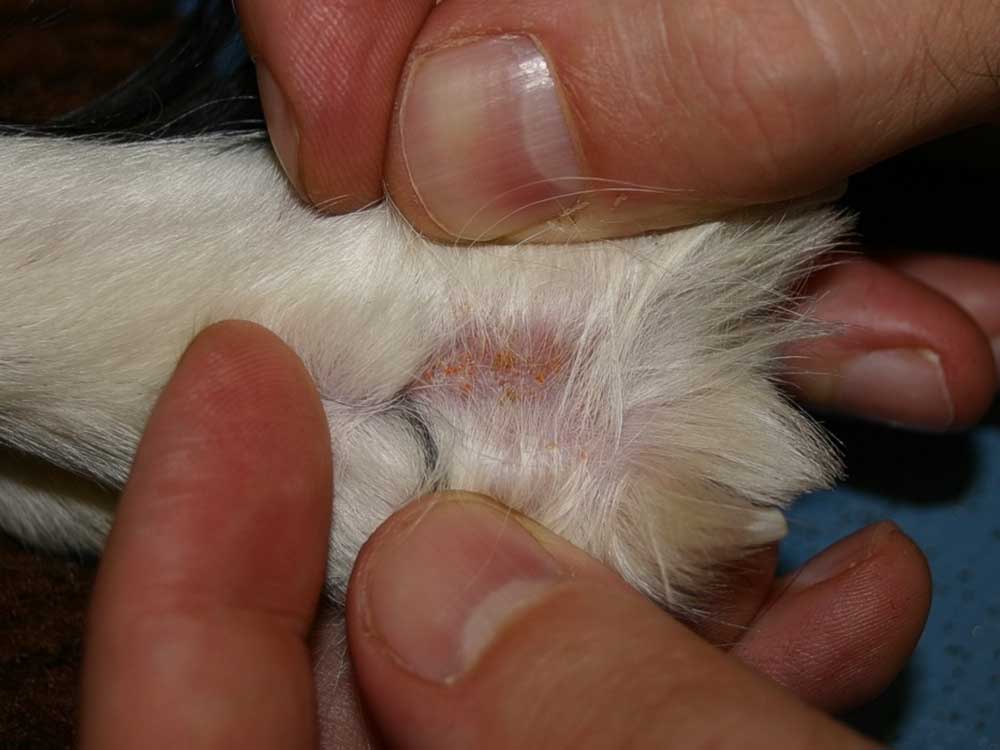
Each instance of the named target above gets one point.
<point>199,629</point>
<point>663,112</point>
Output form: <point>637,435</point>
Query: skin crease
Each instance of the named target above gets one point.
<point>723,103</point>
<point>200,625</point>
<point>877,95</point>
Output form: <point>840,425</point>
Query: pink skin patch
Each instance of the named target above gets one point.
<point>516,384</point>
<point>507,372</point>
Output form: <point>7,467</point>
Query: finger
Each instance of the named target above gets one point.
<point>327,71</point>
<point>903,354</point>
<point>342,722</point>
<point>572,119</point>
<point>472,627</point>
<point>972,283</point>
<point>839,630</point>
<point>212,572</point>
<point>743,588</point>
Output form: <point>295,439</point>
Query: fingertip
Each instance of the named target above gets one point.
<point>447,605</point>
<point>508,129</point>
<point>237,379</point>
<point>838,631</point>
<point>900,352</point>
<point>234,465</point>
<point>215,563</point>
<point>327,78</point>
<point>973,283</point>
<point>550,632</point>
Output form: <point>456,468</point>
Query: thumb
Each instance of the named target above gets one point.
<point>470,626</point>
<point>558,120</point>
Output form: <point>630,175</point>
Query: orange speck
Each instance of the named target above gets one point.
<point>509,394</point>
<point>504,361</point>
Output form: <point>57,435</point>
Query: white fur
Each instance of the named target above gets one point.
<point>618,392</point>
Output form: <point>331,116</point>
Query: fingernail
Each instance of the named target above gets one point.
<point>485,139</point>
<point>846,554</point>
<point>281,125</point>
<point>438,591</point>
<point>766,526</point>
<point>898,386</point>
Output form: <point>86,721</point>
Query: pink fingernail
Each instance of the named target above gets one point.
<point>846,554</point>
<point>485,138</point>
<point>437,593</point>
<point>896,385</point>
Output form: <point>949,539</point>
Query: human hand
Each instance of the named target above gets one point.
<point>207,591</point>
<point>643,114</point>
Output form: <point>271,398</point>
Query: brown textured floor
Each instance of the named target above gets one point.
<point>54,57</point>
<point>42,599</point>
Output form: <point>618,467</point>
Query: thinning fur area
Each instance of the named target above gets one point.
<point>621,392</point>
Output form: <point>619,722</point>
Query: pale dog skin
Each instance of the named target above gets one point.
<point>621,393</point>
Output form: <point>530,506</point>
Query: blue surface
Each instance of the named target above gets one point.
<point>945,493</point>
